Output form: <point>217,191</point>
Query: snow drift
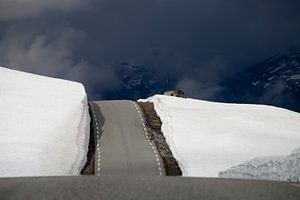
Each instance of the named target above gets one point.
<point>207,137</point>
<point>44,125</point>
<point>280,168</point>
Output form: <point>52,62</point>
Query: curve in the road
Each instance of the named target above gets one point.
<point>123,145</point>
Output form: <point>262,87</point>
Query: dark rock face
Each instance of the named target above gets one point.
<point>275,81</point>
<point>139,82</point>
<point>175,93</point>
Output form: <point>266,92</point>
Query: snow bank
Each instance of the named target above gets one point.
<point>44,125</point>
<point>284,168</point>
<point>207,137</point>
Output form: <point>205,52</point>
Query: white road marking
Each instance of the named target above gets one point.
<point>98,139</point>
<point>147,137</point>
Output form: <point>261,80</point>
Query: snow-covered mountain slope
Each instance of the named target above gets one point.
<point>284,69</point>
<point>44,125</point>
<point>276,81</point>
<point>281,168</point>
<point>207,137</point>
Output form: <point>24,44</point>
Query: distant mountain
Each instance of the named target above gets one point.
<point>139,82</point>
<point>275,81</point>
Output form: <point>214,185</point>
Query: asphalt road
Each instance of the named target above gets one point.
<point>124,150</point>
<point>143,187</point>
<point>122,143</point>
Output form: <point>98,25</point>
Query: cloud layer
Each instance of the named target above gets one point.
<point>198,43</point>
<point>20,9</point>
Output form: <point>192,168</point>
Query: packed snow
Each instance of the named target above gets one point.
<point>280,168</point>
<point>44,125</point>
<point>295,77</point>
<point>255,83</point>
<point>278,68</point>
<point>208,137</point>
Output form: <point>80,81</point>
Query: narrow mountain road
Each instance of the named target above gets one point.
<point>122,143</point>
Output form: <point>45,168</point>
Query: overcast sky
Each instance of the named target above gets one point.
<point>200,43</point>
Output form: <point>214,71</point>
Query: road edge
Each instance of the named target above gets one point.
<point>153,124</point>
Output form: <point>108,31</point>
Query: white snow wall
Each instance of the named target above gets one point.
<point>44,125</point>
<point>207,138</point>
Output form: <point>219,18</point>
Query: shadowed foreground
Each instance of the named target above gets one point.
<point>143,187</point>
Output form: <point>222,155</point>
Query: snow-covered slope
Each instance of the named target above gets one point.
<point>207,137</point>
<point>44,125</point>
<point>276,81</point>
<point>281,168</point>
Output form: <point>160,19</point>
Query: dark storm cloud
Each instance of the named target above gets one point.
<point>200,43</point>
<point>20,9</point>
<point>53,55</point>
<point>199,82</point>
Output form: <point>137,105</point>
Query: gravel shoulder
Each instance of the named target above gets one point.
<point>153,124</point>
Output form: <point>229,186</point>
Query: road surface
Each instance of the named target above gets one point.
<point>143,187</point>
<point>122,142</point>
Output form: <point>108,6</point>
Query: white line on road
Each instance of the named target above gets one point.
<point>98,139</point>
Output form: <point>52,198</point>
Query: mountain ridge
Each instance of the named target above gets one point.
<point>275,81</point>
